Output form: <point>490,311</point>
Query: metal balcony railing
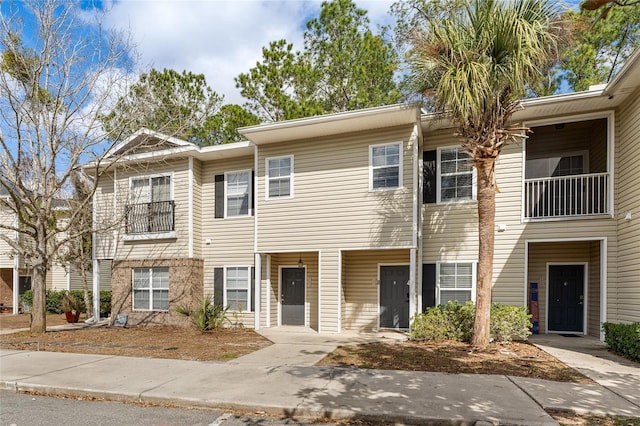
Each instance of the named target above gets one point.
<point>145,218</point>
<point>567,196</point>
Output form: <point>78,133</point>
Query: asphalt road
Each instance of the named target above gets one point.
<point>34,410</point>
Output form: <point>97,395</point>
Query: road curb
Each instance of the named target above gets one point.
<point>276,411</point>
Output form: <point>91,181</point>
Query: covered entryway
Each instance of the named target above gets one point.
<point>292,296</point>
<point>394,296</point>
<point>566,298</point>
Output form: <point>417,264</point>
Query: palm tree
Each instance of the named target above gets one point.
<point>474,65</point>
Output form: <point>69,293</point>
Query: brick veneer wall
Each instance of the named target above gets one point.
<point>6,286</point>
<point>186,284</point>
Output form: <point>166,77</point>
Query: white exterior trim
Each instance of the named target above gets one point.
<point>268,292</point>
<point>257,277</point>
<point>585,293</point>
<point>603,270</point>
<point>224,286</point>
<point>226,193</point>
<point>266,178</point>
<point>400,166</point>
<point>610,143</point>
<point>474,276</point>
<point>474,178</point>
<point>155,236</point>
<point>255,199</point>
<point>190,213</point>
<point>149,177</point>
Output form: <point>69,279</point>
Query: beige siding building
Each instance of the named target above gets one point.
<point>360,220</point>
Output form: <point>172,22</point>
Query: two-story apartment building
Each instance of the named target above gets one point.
<point>359,220</point>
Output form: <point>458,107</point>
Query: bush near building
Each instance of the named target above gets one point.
<point>623,339</point>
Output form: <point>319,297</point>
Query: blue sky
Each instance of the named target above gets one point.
<point>217,38</point>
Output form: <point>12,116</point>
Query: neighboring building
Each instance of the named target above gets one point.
<point>15,276</point>
<point>359,220</point>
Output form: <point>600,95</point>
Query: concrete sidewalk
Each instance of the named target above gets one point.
<point>281,381</point>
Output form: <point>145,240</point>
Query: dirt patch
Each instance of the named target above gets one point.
<point>150,342</point>
<point>516,359</point>
<point>9,321</point>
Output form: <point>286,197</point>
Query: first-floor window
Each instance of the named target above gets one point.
<point>151,289</point>
<point>456,282</point>
<point>237,288</point>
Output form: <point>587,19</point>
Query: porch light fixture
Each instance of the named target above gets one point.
<point>300,262</point>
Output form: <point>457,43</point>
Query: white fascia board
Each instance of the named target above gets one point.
<point>329,123</point>
<point>150,133</point>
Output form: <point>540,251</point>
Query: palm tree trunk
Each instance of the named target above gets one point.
<point>486,231</point>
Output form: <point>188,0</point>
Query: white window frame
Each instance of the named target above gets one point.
<point>372,167</point>
<point>474,277</point>
<point>269,178</point>
<point>224,286</point>
<point>474,184</point>
<point>226,193</point>
<point>150,289</point>
<point>148,178</point>
<point>156,235</point>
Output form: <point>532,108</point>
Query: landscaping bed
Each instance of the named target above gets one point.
<point>515,359</point>
<point>149,342</point>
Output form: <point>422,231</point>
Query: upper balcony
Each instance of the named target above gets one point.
<point>150,218</point>
<point>567,173</point>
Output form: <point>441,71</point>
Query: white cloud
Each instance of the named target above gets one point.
<point>219,39</point>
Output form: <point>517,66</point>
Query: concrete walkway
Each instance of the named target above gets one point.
<point>592,358</point>
<point>282,380</point>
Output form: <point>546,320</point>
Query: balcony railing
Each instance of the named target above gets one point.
<point>567,196</point>
<point>148,218</point>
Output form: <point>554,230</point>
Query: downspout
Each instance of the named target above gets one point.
<point>257,258</point>
<point>413,260</point>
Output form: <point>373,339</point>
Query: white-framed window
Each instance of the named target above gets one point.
<point>151,289</point>
<point>151,209</point>
<point>455,281</point>
<point>385,166</point>
<point>237,288</point>
<point>150,189</point>
<point>237,193</point>
<point>456,175</point>
<point>279,171</point>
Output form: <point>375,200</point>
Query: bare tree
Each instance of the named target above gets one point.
<point>59,72</point>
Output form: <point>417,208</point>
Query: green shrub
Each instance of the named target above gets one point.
<point>452,321</point>
<point>27,299</point>
<point>205,315</point>
<point>623,339</point>
<point>105,301</point>
<point>54,298</point>
<point>508,322</point>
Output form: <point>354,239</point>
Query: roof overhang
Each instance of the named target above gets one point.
<point>332,124</point>
<point>214,152</point>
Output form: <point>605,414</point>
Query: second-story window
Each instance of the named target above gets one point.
<point>385,166</point>
<point>455,175</point>
<point>279,177</point>
<point>238,191</point>
<point>150,208</point>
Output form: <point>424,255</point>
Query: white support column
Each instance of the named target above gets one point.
<point>412,283</point>
<point>96,289</point>
<point>258,288</point>
<point>16,283</point>
<point>268,292</point>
